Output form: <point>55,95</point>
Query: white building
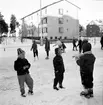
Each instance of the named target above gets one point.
<point>59,19</point>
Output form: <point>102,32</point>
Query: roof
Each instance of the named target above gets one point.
<point>50,5</point>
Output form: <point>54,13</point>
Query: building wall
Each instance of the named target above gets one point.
<point>69,27</point>
<point>62,9</point>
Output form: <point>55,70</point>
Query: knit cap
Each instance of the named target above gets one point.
<point>20,51</point>
<point>87,47</point>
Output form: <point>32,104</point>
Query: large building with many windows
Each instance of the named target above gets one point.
<point>59,19</point>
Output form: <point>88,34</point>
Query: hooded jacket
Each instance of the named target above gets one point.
<point>87,59</point>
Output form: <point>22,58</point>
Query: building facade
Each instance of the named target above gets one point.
<point>59,19</point>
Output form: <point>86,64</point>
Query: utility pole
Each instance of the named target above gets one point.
<point>41,38</point>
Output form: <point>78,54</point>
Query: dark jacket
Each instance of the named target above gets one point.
<point>47,45</point>
<point>86,62</point>
<point>34,47</point>
<point>74,42</point>
<point>19,64</point>
<point>101,40</point>
<point>80,43</point>
<point>58,64</point>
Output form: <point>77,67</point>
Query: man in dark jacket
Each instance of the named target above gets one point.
<point>47,47</point>
<point>74,44</point>
<point>21,65</point>
<point>101,41</point>
<point>80,44</point>
<point>86,62</point>
<point>58,69</point>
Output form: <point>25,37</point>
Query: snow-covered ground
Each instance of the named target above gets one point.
<point>42,73</point>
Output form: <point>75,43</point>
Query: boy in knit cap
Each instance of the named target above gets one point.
<point>86,62</point>
<point>21,65</point>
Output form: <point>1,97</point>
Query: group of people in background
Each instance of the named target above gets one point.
<point>60,44</point>
<point>85,60</point>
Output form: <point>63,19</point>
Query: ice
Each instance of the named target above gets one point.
<point>43,74</point>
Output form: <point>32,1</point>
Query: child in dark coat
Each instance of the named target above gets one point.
<point>74,44</point>
<point>58,69</point>
<point>21,65</point>
<point>86,62</point>
<point>35,49</point>
<point>64,47</point>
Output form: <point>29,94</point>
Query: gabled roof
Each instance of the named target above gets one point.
<point>95,22</point>
<point>49,6</point>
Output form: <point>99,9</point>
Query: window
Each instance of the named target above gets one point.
<point>45,30</point>
<point>55,37</point>
<point>61,30</point>
<point>65,37</point>
<point>60,37</point>
<point>51,37</point>
<point>60,20</point>
<point>44,20</point>
<point>60,11</point>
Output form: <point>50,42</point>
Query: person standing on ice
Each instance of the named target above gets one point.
<point>74,44</point>
<point>21,65</point>
<point>47,47</point>
<point>58,69</point>
<point>35,49</point>
<point>101,42</point>
<point>80,44</point>
<point>86,62</point>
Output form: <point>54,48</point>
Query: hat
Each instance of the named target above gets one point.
<point>87,47</point>
<point>20,51</point>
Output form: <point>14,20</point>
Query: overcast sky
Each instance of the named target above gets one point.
<point>90,9</point>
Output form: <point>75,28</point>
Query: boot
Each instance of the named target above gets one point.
<point>55,88</point>
<point>83,93</point>
<point>23,94</point>
<point>30,92</point>
<point>90,92</point>
<point>47,57</point>
<point>60,86</point>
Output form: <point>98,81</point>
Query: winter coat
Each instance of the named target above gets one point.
<point>63,45</point>
<point>74,42</point>
<point>58,64</point>
<point>86,62</point>
<point>80,43</point>
<point>19,64</point>
<point>34,47</point>
<point>101,40</point>
<point>47,45</point>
